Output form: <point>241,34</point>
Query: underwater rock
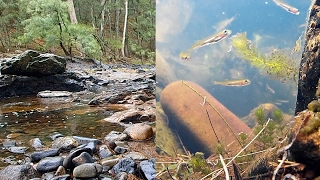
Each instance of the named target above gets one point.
<point>268,109</point>
<point>305,148</point>
<point>183,102</point>
<point>53,94</point>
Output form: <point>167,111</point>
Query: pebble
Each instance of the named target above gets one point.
<point>67,162</point>
<point>104,152</point>
<point>38,155</point>
<point>65,143</point>
<point>36,143</point>
<point>84,157</point>
<point>87,170</point>
<point>125,165</point>
<point>18,149</point>
<point>148,168</point>
<point>115,136</point>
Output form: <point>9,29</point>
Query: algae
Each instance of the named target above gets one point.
<point>277,65</point>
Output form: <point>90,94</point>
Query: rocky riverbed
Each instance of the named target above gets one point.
<point>126,95</point>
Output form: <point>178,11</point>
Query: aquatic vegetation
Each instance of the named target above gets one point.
<point>274,128</point>
<point>314,106</point>
<point>278,64</point>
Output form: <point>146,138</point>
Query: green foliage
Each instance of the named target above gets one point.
<point>49,26</point>
<point>273,130</point>
<point>278,64</point>
<point>199,164</point>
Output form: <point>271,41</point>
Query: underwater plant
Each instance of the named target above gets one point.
<point>277,64</point>
<point>274,128</point>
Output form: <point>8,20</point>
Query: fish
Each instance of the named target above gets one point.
<point>287,7</point>
<point>270,89</point>
<point>240,82</point>
<point>204,42</point>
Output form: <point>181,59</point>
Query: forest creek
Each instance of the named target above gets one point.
<point>98,115</point>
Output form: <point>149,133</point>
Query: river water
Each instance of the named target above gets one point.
<point>24,118</point>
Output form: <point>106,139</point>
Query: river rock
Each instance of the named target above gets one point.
<point>32,63</point>
<point>136,156</point>
<point>65,143</point>
<point>115,136</point>
<point>87,170</point>
<point>53,94</point>
<point>14,172</point>
<point>67,162</point>
<point>120,150</point>
<point>62,177</point>
<point>38,155</point>
<point>148,168</point>
<point>104,152</point>
<point>48,164</point>
<point>18,149</point>
<point>183,103</point>
<point>139,131</point>
<point>125,165</point>
<point>86,140</point>
<point>36,143</point>
<point>84,157</point>
<point>109,161</point>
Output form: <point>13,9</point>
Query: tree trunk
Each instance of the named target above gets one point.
<point>103,22</point>
<point>72,12</point>
<point>124,28</point>
<point>309,71</point>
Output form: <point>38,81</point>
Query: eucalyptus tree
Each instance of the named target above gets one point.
<point>49,26</point>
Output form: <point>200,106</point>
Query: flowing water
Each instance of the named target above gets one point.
<point>24,118</point>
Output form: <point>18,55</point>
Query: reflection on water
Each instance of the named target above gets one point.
<point>24,118</point>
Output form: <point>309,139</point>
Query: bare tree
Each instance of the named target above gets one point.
<point>124,27</point>
<point>72,12</point>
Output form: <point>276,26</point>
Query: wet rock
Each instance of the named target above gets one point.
<point>53,94</point>
<point>48,164</point>
<point>12,85</point>
<point>32,63</point>
<point>38,155</point>
<point>18,149</point>
<point>148,168</point>
<point>55,136</point>
<point>115,136</point>
<point>132,116</point>
<point>67,162</point>
<point>84,157</point>
<point>136,156</point>
<point>14,172</point>
<point>87,170</point>
<point>65,143</point>
<point>182,103</point>
<point>139,131</point>
<point>36,143</point>
<point>120,150</point>
<point>85,140</point>
<point>104,152</point>
<point>305,148</point>
<point>9,143</point>
<point>125,165</point>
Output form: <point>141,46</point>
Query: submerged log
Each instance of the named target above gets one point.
<point>201,121</point>
<point>309,71</point>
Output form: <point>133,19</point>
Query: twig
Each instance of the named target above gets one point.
<point>264,126</point>
<point>284,156</point>
<point>224,167</point>
<point>212,126</point>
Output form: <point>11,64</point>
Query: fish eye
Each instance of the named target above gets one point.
<point>225,32</point>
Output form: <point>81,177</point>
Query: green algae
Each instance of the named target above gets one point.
<point>277,65</point>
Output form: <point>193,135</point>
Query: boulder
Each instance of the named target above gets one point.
<point>32,63</point>
<point>198,121</point>
<point>139,131</point>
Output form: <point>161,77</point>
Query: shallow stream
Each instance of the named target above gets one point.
<point>24,118</point>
